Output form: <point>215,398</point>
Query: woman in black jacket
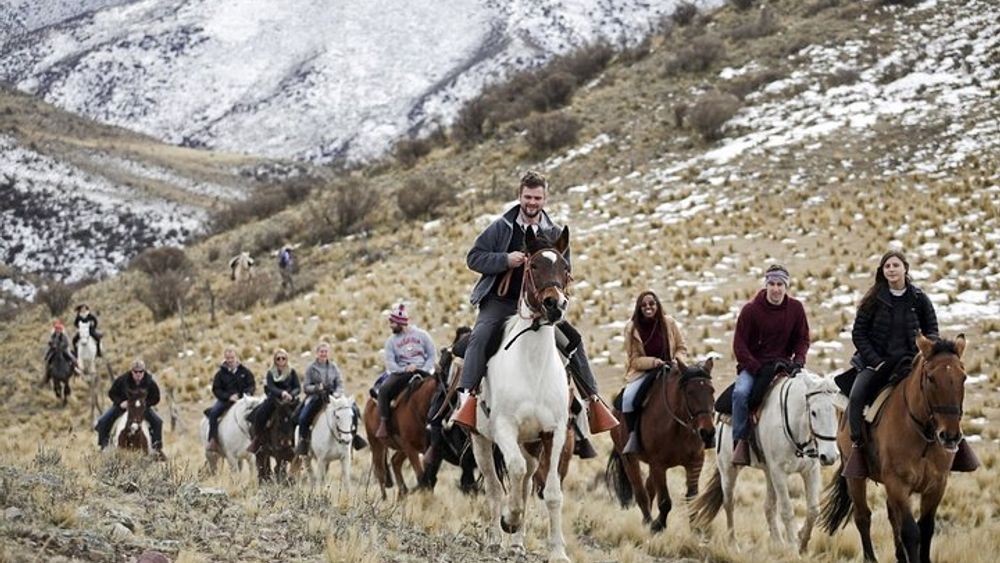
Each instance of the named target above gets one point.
<point>891,315</point>
<point>282,385</point>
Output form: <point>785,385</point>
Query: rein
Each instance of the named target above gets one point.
<point>807,448</point>
<point>926,428</point>
<point>335,430</point>
<point>687,406</point>
<point>526,298</point>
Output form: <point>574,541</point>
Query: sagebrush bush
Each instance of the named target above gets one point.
<point>750,82</point>
<point>243,295</point>
<point>684,13</point>
<point>263,202</point>
<point>554,91</point>
<point>711,112</point>
<point>547,133</point>
<point>56,296</point>
<point>697,56</point>
<point>469,126</point>
<point>421,197</point>
<point>343,209</point>
<point>161,259</point>
<point>765,24</point>
<point>842,77</point>
<point>164,293</point>
<point>409,151</point>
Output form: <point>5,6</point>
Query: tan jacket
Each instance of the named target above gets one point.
<point>637,363</point>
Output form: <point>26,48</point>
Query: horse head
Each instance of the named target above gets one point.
<point>546,275</point>
<point>283,427</point>
<point>342,408</point>
<point>941,374</point>
<point>699,398</point>
<point>820,402</point>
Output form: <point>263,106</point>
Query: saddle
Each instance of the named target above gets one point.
<point>762,383</point>
<point>885,379</point>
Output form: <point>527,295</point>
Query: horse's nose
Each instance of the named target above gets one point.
<point>708,437</point>
<point>826,460</point>
<point>949,441</point>
<point>549,302</point>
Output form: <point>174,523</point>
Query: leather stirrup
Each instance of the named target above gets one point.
<point>466,415</point>
<point>599,416</point>
<point>965,460</point>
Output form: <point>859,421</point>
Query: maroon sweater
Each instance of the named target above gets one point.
<point>766,332</point>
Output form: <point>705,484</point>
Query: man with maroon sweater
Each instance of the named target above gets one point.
<point>772,335</point>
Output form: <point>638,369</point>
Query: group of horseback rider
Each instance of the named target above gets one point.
<point>771,338</point>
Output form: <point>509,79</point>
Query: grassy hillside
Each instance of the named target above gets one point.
<point>651,204</point>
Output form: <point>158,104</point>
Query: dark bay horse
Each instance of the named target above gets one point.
<point>909,451</point>
<point>59,369</point>
<point>277,442</point>
<point>675,429</point>
<point>407,433</point>
<point>131,430</point>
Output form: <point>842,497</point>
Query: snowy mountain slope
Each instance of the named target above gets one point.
<point>304,78</point>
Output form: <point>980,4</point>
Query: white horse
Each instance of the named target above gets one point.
<point>86,348</point>
<point>796,433</point>
<point>524,399</point>
<point>234,435</point>
<point>241,267</point>
<point>333,433</point>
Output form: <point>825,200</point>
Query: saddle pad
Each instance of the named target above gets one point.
<point>872,410</point>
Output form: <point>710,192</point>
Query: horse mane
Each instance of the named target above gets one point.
<point>541,242</point>
<point>943,346</point>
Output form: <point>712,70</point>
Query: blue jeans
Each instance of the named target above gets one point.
<point>741,405</point>
<point>104,423</point>
<point>632,390</point>
<point>313,403</point>
<point>213,417</point>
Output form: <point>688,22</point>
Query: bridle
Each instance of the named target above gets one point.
<point>531,292</point>
<point>342,436</point>
<point>682,384</point>
<point>810,447</point>
<point>926,428</point>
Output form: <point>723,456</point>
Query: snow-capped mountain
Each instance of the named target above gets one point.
<point>316,79</point>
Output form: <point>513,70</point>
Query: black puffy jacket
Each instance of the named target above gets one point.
<point>873,324</point>
<point>228,383</point>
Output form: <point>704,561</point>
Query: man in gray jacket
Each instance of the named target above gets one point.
<point>322,380</point>
<point>496,250</point>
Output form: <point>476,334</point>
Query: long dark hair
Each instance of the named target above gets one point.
<point>661,317</point>
<point>868,301</point>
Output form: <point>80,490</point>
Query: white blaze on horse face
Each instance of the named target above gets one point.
<point>550,255</point>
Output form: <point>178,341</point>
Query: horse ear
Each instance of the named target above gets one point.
<point>563,243</point>
<point>960,344</point>
<point>708,365</point>
<point>925,345</point>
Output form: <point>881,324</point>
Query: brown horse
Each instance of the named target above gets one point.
<point>131,433</point>
<point>277,441</point>
<point>910,451</point>
<point>407,433</point>
<point>675,429</point>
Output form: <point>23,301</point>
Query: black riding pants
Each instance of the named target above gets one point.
<point>391,388</point>
<point>864,382</point>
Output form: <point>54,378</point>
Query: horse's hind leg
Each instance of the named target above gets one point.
<point>634,474</point>
<point>858,490</point>
<point>397,470</point>
<point>482,449</point>
<point>929,502</point>
<point>554,497</point>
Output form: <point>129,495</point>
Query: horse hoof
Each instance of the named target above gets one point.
<point>507,527</point>
<point>658,526</point>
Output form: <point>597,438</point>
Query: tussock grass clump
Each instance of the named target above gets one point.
<point>711,112</point>
<point>169,278</point>
<point>342,209</point>
<point>698,56</point>
<point>424,196</point>
<point>548,133</point>
<point>746,84</point>
<point>409,151</point>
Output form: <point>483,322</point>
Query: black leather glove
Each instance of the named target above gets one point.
<point>794,368</point>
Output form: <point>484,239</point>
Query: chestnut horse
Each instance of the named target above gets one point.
<point>909,450</point>
<point>131,429</point>
<point>407,433</point>
<point>675,429</point>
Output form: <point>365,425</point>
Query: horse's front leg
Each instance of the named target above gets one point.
<point>397,470</point>
<point>929,502</point>
<point>658,480</point>
<point>512,515</point>
<point>345,471</point>
<point>692,473</point>
<point>482,449</point>
<point>812,480</point>
<point>554,496</point>
<point>770,510</point>
<point>904,527</point>
<point>779,482</point>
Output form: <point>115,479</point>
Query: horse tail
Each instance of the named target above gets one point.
<point>704,508</point>
<point>500,466</point>
<point>616,479</point>
<point>837,505</point>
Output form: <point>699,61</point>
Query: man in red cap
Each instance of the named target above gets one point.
<point>408,351</point>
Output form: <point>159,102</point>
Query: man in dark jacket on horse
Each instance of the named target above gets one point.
<point>772,336</point>
<point>232,382</point>
<point>498,256</point>
<point>135,380</point>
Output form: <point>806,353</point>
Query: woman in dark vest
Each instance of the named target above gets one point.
<point>890,316</point>
<point>282,385</point>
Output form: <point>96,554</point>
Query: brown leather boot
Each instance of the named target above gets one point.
<point>213,446</point>
<point>383,429</point>
<point>965,460</point>
<point>856,466</point>
<point>465,415</point>
<point>741,453</point>
<point>601,419</point>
